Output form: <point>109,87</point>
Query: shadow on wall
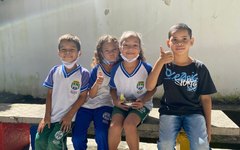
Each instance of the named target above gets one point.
<point>17,98</point>
<point>4,108</point>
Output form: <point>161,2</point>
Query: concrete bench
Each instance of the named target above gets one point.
<point>224,130</point>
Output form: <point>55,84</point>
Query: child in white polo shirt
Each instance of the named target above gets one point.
<point>67,90</point>
<point>132,102</point>
<point>98,107</point>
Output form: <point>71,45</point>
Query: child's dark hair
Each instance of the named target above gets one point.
<point>179,26</point>
<point>98,58</point>
<point>137,35</point>
<point>70,37</point>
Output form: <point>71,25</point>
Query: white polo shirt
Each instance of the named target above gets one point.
<point>131,85</point>
<point>66,88</point>
<point>103,97</point>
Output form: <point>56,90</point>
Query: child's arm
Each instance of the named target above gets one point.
<point>67,119</point>
<point>47,118</point>
<point>116,100</point>
<point>206,101</point>
<point>93,91</point>
<point>147,97</point>
<point>165,57</point>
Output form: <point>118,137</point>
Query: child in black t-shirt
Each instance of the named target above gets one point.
<point>187,84</point>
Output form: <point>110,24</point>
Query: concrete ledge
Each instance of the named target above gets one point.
<point>32,113</point>
<point>21,113</point>
<point>221,124</point>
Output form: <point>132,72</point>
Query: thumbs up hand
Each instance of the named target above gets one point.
<point>100,78</point>
<point>166,56</point>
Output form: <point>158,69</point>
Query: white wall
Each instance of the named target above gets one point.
<point>29,31</point>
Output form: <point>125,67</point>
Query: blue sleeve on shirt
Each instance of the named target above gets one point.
<point>85,80</point>
<point>148,67</point>
<point>93,76</point>
<point>49,80</point>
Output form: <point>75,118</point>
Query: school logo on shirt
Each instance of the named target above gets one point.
<point>75,86</point>
<point>140,86</point>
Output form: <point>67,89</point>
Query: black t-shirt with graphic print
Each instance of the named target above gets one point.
<point>183,86</point>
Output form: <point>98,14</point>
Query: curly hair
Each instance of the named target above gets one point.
<point>98,58</point>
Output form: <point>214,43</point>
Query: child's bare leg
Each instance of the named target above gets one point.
<point>130,128</point>
<point>115,131</point>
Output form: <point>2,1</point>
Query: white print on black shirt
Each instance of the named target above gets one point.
<point>183,79</point>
